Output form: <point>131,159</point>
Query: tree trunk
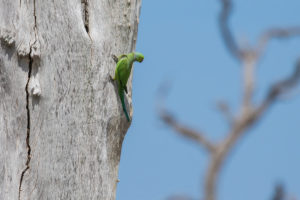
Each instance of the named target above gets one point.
<point>61,121</point>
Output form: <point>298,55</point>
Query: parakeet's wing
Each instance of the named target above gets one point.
<point>121,71</point>
<point>122,56</point>
<point>121,74</point>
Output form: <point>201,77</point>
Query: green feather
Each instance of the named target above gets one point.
<point>121,94</point>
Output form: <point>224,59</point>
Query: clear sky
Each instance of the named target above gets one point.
<point>181,43</point>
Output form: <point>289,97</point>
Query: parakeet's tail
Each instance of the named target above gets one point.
<point>121,93</point>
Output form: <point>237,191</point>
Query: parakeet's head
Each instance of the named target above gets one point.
<point>138,57</point>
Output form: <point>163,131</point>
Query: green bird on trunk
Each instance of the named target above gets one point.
<point>122,73</point>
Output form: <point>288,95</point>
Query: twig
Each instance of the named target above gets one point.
<point>280,88</point>
<point>225,110</point>
<point>226,33</point>
<point>196,136</point>
<point>280,33</point>
<point>279,193</point>
<point>290,95</point>
<point>168,119</point>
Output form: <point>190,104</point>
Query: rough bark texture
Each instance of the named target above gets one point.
<point>61,121</point>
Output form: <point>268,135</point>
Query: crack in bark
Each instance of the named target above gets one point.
<point>28,124</point>
<point>27,104</point>
<point>85,15</point>
<point>34,15</point>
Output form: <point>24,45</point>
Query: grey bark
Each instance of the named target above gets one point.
<point>61,122</point>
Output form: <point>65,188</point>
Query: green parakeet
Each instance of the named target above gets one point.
<point>122,73</point>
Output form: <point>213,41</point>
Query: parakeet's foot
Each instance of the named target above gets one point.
<point>115,58</point>
<point>111,78</point>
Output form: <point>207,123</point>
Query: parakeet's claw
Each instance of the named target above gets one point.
<point>115,58</point>
<point>111,78</point>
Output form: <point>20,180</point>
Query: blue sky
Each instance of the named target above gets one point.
<point>182,44</point>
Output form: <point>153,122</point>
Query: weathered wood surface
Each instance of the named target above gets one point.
<point>61,122</point>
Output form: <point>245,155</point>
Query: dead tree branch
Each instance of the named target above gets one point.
<point>247,117</point>
<point>248,114</point>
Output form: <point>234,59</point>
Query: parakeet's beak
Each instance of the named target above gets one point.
<point>140,59</point>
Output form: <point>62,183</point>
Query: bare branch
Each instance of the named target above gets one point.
<point>279,192</point>
<point>290,95</point>
<point>227,35</point>
<point>248,117</point>
<point>273,33</point>
<point>225,110</point>
<point>280,88</point>
<point>168,119</point>
<point>249,62</point>
<point>187,132</point>
<point>248,114</point>
<point>222,150</point>
<point>180,197</point>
